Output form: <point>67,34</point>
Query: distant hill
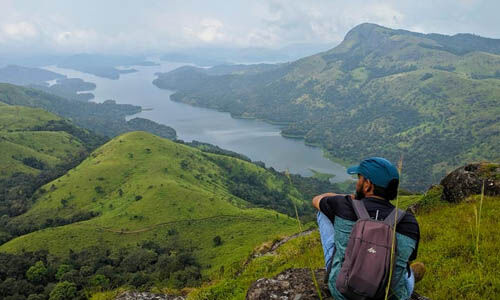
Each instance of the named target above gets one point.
<point>24,76</point>
<point>433,99</point>
<point>69,88</point>
<point>106,118</point>
<point>103,65</point>
<point>211,56</point>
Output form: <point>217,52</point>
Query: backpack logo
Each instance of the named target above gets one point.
<point>371,250</point>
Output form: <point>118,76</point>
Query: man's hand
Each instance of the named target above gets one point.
<point>317,199</point>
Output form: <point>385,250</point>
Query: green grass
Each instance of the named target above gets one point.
<point>144,187</point>
<point>18,140</point>
<point>447,248</point>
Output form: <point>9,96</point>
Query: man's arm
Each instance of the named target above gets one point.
<point>317,199</point>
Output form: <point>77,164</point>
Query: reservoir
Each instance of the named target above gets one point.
<point>258,140</point>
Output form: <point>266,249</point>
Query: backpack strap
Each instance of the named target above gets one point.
<point>360,209</point>
<point>391,218</point>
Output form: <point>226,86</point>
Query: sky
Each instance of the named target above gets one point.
<point>133,27</point>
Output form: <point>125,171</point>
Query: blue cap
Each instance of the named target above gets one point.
<point>378,170</point>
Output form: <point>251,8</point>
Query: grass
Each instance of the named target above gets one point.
<point>447,248</point>
<point>144,187</point>
<point>19,141</point>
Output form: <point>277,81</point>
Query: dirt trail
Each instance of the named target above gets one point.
<point>120,231</point>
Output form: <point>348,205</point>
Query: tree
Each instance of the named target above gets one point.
<point>37,273</point>
<point>63,269</point>
<point>63,291</point>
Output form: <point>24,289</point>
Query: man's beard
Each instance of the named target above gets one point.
<point>359,194</point>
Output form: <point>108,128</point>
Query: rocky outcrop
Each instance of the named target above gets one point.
<point>295,284</point>
<point>292,284</point>
<point>468,180</point>
<point>147,296</point>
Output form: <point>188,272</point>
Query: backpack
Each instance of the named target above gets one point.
<point>365,271</point>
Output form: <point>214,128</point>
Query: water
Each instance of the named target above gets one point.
<point>256,139</point>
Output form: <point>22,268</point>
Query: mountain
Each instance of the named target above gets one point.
<point>107,118</point>
<point>431,99</point>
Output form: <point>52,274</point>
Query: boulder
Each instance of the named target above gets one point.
<point>292,284</point>
<point>468,180</point>
<point>147,296</point>
<point>295,284</point>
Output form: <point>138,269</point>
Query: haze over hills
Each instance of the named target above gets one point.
<point>430,98</point>
<point>69,88</point>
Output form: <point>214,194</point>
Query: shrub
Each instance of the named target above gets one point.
<point>37,273</point>
<point>217,241</point>
<point>63,291</point>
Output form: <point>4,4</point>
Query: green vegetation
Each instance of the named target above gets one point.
<point>39,275</point>
<point>432,98</point>
<point>139,188</point>
<point>107,119</point>
<point>447,248</point>
<point>322,176</point>
<point>35,147</point>
<point>69,88</point>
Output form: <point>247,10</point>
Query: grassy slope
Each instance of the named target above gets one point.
<point>447,246</point>
<point>192,200</point>
<point>18,141</point>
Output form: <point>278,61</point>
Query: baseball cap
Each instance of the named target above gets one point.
<point>378,170</point>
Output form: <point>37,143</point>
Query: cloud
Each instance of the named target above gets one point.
<point>211,30</point>
<point>109,26</point>
<point>19,31</point>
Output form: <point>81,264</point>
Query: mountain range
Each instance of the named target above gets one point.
<point>430,99</point>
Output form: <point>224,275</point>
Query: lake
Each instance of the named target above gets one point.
<point>258,140</point>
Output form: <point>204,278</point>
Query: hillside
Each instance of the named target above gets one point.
<point>141,188</point>
<point>448,241</point>
<point>35,147</point>
<point>430,98</point>
<point>107,118</point>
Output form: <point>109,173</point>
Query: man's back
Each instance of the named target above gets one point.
<point>340,211</point>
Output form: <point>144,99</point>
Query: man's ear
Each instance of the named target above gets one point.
<point>367,186</point>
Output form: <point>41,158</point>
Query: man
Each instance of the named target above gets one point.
<point>378,182</point>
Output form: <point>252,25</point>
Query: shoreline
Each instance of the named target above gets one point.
<point>344,163</point>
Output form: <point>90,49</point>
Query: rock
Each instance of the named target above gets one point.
<point>292,284</point>
<point>468,180</point>
<point>295,284</point>
<point>147,296</point>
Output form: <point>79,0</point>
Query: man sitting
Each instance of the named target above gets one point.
<point>378,182</point>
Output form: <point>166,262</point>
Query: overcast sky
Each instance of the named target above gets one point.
<point>126,26</point>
